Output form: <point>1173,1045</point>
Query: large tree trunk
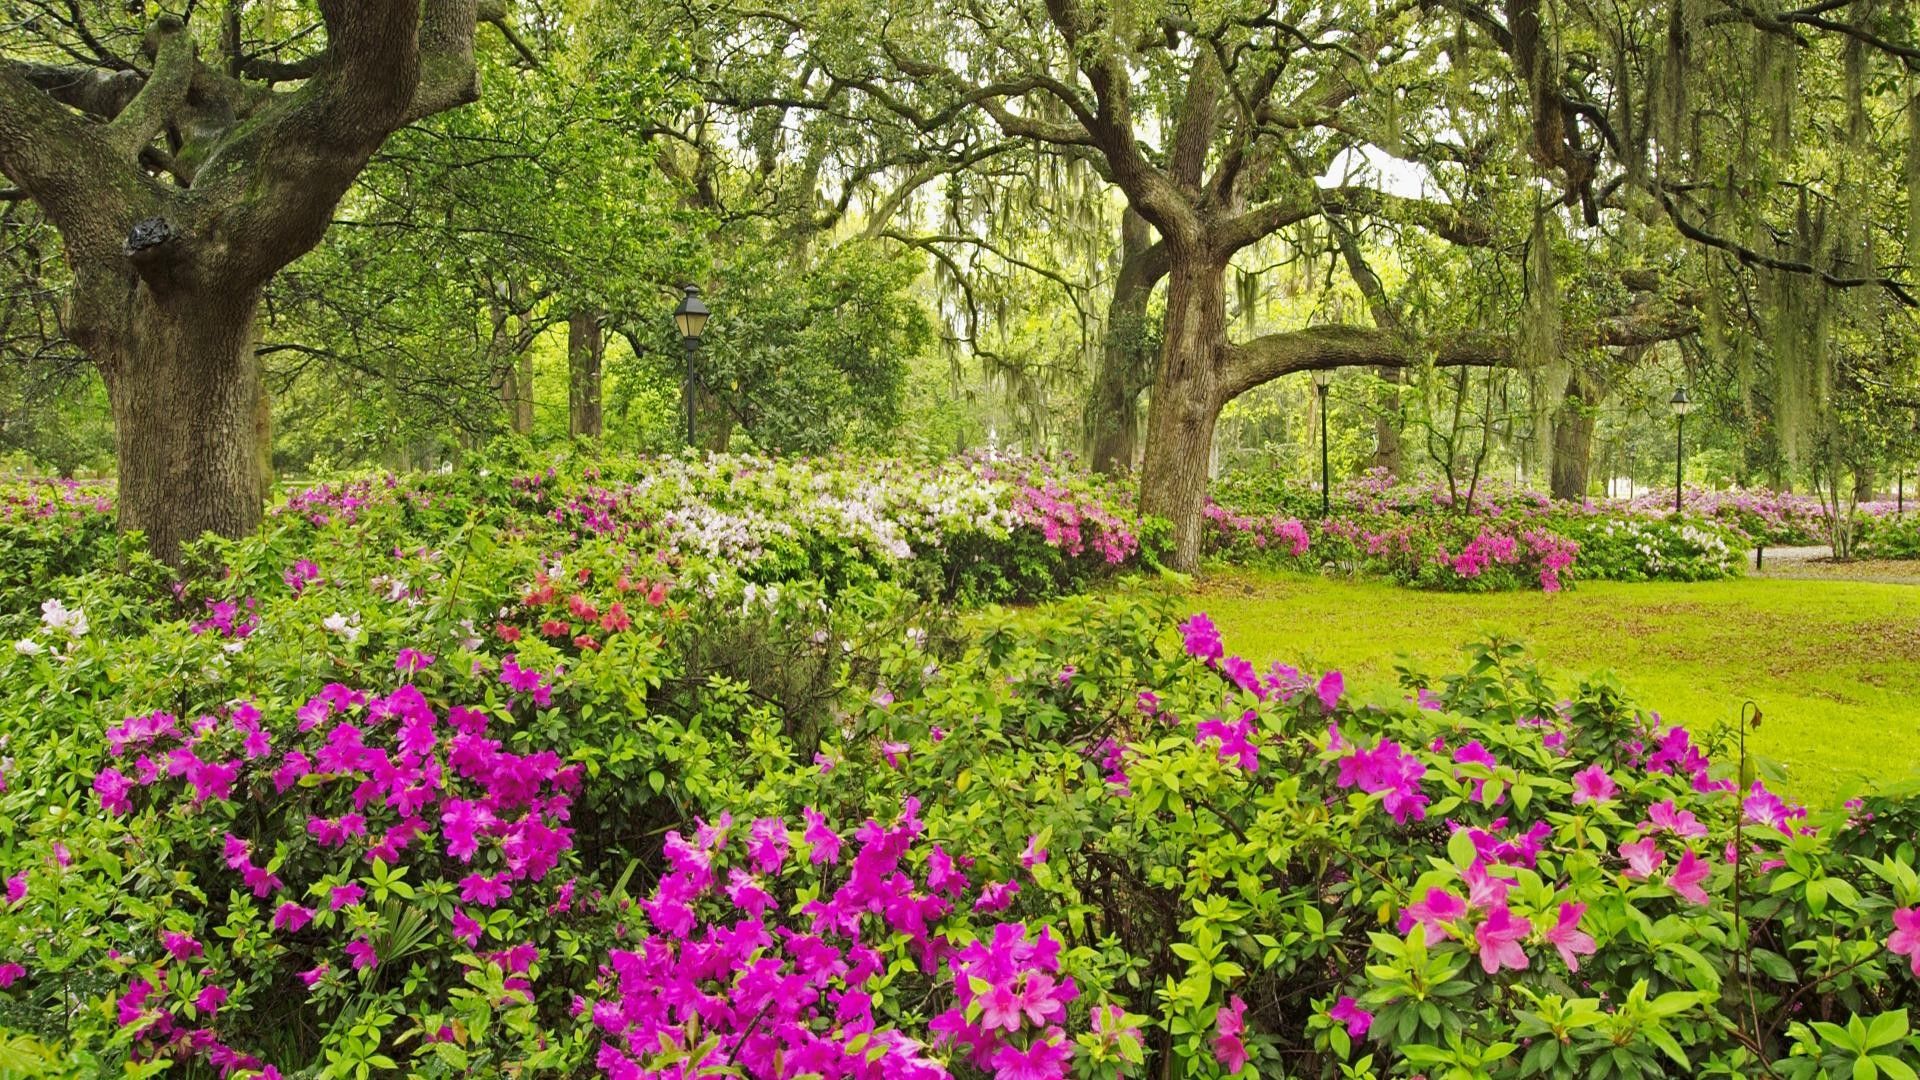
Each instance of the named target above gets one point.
<point>1573,425</point>
<point>1387,420</point>
<point>1186,402</point>
<point>185,388</point>
<point>1126,354</point>
<point>586,347</point>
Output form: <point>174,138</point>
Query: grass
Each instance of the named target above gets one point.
<point>1834,665</point>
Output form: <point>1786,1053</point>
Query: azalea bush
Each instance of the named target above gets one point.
<point>519,773</point>
<point>1890,536</point>
<point>1506,538</point>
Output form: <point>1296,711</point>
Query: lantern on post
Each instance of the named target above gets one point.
<point>1681,405</point>
<point>691,319</point>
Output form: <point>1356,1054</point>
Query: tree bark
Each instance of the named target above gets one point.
<point>586,347</point>
<point>1187,398</point>
<point>184,384</point>
<point>1573,425</point>
<point>1387,419</point>
<point>167,274</point>
<point>1126,355</point>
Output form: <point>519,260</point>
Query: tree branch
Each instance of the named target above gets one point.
<point>166,89</point>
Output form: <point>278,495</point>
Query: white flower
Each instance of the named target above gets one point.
<point>57,616</point>
<point>233,647</point>
<point>26,646</point>
<point>342,626</point>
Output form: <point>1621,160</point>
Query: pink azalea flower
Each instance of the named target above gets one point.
<point>1348,1011</point>
<point>17,887</point>
<point>466,928</point>
<point>112,786</point>
<point>1905,940</point>
<point>1499,939</point>
<point>1045,1059</point>
<point>1687,875</point>
<point>180,946</point>
<point>1202,639</point>
<point>996,897</point>
<point>1229,1024</point>
<point>1664,816</point>
<point>823,844</point>
<point>346,895</point>
<point>290,917</point>
<point>210,999</point>
<point>362,952</point>
<point>894,751</point>
<point>1034,854</point>
<point>1431,913</point>
<point>1643,858</point>
<point>1567,937</point>
<point>767,845</point>
<point>313,975</point>
<point>1331,686</point>
<point>412,660</point>
<point>1593,785</point>
<point>10,973</point>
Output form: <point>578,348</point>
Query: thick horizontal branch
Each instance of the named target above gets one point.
<point>1327,348</point>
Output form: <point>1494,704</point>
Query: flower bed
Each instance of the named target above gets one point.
<point>675,771</point>
<point>1511,539</point>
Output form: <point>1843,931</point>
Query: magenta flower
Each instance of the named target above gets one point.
<point>466,928</point>
<point>412,660</point>
<point>1348,1011</point>
<point>1567,937</point>
<point>362,952</point>
<point>893,751</point>
<point>180,946</point>
<point>1431,913</point>
<point>1390,771</point>
<point>1905,940</point>
<point>10,973</point>
<point>1229,1024</point>
<point>1034,854</point>
<point>997,896</point>
<point>17,887</point>
<point>1643,858</point>
<point>1045,1059</point>
<point>313,975</point>
<point>1593,785</point>
<point>1664,816</point>
<point>1687,875</point>
<point>210,999</point>
<point>112,786</point>
<point>346,895</point>
<point>1235,738</point>
<point>1331,686</point>
<point>823,844</point>
<point>1202,639</point>
<point>290,917</point>
<point>1499,939</point>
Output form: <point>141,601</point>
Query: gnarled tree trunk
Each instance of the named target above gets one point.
<point>185,388</point>
<point>1126,355</point>
<point>1573,425</point>
<point>1187,398</point>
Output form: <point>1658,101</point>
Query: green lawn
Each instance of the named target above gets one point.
<point>1834,665</point>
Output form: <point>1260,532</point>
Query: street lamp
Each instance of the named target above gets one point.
<point>1322,380</point>
<point>1681,405</point>
<point>691,318</point>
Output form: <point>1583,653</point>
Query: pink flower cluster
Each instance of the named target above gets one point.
<point>722,983</point>
<point>1388,770</point>
<point>405,778</point>
<point>1072,523</point>
<point>1260,531</point>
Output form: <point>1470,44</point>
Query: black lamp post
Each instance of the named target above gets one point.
<point>1681,405</point>
<point>691,318</point>
<point>1321,380</point>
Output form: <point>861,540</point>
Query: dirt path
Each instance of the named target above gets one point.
<point>1816,563</point>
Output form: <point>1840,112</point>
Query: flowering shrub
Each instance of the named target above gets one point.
<point>1510,539</point>
<point>1890,536</point>
<point>519,774</point>
<point>48,529</point>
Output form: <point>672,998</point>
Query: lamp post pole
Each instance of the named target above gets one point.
<point>1681,404</point>
<point>688,345</point>
<point>691,319</point>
